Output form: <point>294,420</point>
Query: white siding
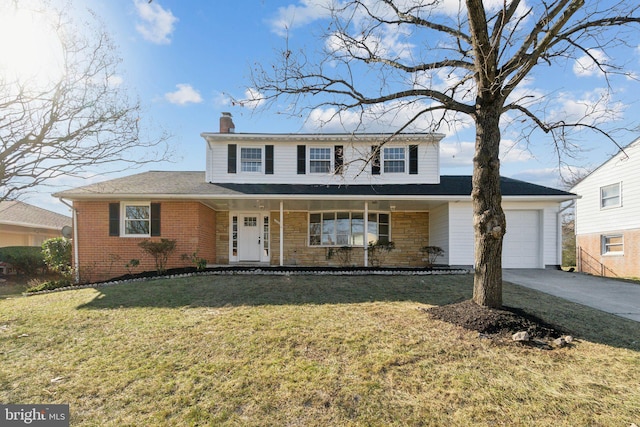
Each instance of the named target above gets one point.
<point>356,170</point>
<point>439,231</point>
<point>462,235</point>
<point>590,217</point>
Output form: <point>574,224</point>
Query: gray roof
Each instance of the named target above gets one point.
<point>193,185</point>
<point>20,213</point>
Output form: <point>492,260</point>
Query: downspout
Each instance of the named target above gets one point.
<point>281,234</point>
<point>559,231</point>
<point>365,237</point>
<point>74,223</point>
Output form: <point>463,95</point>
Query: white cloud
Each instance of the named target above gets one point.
<point>592,108</point>
<point>295,16</point>
<point>586,65</point>
<point>184,95</point>
<point>157,23</point>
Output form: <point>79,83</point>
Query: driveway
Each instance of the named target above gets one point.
<point>609,295</point>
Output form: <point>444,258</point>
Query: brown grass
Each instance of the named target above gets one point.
<point>308,351</point>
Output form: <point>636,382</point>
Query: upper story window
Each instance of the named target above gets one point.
<point>394,159</point>
<point>250,159</point>
<point>611,196</point>
<point>319,160</point>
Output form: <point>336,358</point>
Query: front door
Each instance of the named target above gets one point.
<point>249,237</point>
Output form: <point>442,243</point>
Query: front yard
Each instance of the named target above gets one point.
<point>309,351</point>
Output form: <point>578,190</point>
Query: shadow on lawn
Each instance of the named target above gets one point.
<point>267,290</point>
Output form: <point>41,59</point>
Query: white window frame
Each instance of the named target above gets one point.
<point>311,160</point>
<point>124,219</point>
<point>352,240</point>
<point>606,244</point>
<point>404,159</point>
<point>617,185</point>
<point>241,163</point>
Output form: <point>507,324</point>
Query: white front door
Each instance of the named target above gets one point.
<point>249,237</point>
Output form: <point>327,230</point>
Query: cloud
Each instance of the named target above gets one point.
<point>295,16</point>
<point>157,23</point>
<point>587,64</point>
<point>593,108</point>
<point>184,95</point>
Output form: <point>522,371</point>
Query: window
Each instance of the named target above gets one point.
<point>347,228</point>
<point>610,196</point>
<point>319,160</point>
<point>251,159</point>
<point>612,244</point>
<point>394,159</point>
<point>134,219</point>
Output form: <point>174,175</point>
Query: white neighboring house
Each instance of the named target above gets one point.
<point>295,199</point>
<point>607,219</point>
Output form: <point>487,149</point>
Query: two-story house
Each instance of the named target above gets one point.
<point>293,199</point>
<point>607,216</point>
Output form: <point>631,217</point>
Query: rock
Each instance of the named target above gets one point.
<point>568,339</point>
<point>521,336</point>
<point>560,342</point>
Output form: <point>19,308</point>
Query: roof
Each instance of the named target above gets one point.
<point>192,185</point>
<point>24,214</point>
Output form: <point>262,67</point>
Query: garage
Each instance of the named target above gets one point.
<point>521,245</point>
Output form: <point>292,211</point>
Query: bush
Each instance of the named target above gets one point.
<point>376,252</point>
<point>432,253</point>
<point>57,254</point>
<point>160,252</point>
<point>27,260</point>
<point>38,286</point>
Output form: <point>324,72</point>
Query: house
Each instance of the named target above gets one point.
<point>607,216</point>
<point>293,199</point>
<point>22,224</point>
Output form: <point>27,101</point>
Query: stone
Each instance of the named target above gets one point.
<point>568,339</point>
<point>521,336</point>
<point>560,342</point>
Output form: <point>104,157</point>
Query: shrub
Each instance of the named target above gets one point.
<point>38,286</point>
<point>377,251</point>
<point>200,263</point>
<point>342,254</point>
<point>432,253</point>
<point>57,254</point>
<point>27,260</point>
<point>132,265</point>
<point>160,251</point>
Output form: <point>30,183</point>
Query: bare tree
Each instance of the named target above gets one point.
<point>75,120</point>
<point>470,62</point>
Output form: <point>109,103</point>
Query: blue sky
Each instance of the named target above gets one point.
<point>186,60</point>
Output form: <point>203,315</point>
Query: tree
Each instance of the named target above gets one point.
<point>67,116</point>
<point>484,51</point>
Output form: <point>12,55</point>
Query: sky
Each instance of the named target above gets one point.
<point>187,61</point>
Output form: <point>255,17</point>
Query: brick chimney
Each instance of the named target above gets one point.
<point>226,123</point>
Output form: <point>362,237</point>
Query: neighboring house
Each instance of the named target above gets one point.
<point>290,199</point>
<point>22,224</point>
<point>607,216</point>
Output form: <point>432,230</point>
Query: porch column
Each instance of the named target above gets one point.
<point>365,235</point>
<point>281,234</point>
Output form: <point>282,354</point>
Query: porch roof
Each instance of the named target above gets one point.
<point>169,185</point>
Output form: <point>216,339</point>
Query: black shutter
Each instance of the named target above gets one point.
<point>114,219</point>
<point>232,158</point>
<point>268,159</point>
<point>375,160</point>
<point>338,159</point>
<point>302,159</point>
<point>413,160</point>
<point>155,219</point>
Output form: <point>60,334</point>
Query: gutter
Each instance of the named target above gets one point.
<point>74,222</point>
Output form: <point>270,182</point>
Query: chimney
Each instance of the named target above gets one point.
<point>226,123</point>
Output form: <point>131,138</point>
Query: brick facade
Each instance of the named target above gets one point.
<point>589,257</point>
<point>101,256</point>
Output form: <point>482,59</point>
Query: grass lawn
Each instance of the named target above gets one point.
<point>309,351</point>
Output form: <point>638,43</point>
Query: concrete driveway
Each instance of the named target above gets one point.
<point>609,295</point>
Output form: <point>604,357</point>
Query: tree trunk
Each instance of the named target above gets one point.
<point>488,216</point>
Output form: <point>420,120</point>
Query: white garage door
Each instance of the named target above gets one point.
<point>521,245</point>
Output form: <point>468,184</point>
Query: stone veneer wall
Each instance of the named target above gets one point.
<point>409,232</point>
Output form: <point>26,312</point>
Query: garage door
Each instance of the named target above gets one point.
<point>521,245</point>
